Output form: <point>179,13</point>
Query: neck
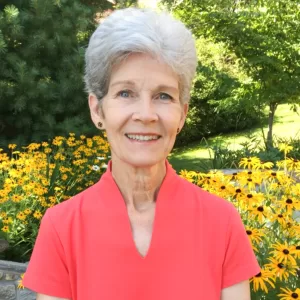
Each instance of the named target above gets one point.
<point>139,186</point>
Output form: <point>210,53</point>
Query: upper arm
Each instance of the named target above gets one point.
<point>239,291</point>
<point>45,297</point>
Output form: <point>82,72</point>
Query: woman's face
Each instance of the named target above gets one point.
<point>141,111</point>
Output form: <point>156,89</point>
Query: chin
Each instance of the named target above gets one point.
<point>143,161</point>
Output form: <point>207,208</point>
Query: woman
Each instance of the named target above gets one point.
<point>141,232</point>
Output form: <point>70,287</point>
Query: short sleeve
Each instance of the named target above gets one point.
<point>240,262</point>
<point>47,272</point>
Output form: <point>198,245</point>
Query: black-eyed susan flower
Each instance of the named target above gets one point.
<point>7,220</point>
<point>252,198</point>
<point>282,253</point>
<point>289,203</point>
<point>260,280</point>
<point>255,235</point>
<point>37,214</point>
<point>281,218</point>
<point>5,228</point>
<point>265,165</point>
<point>295,249</point>
<point>285,148</point>
<point>260,212</point>
<point>281,270</point>
<point>250,163</point>
<point>21,216</point>
<point>289,294</point>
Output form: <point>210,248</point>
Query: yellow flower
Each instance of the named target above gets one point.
<point>37,214</point>
<point>280,269</point>
<point>20,285</point>
<point>295,250</point>
<point>21,216</point>
<point>5,228</point>
<point>3,214</point>
<point>282,252</point>
<point>187,175</point>
<point>12,146</point>
<point>250,163</point>
<point>27,211</point>
<point>289,294</point>
<point>285,148</point>
<point>254,234</point>
<point>260,280</point>
<point>7,220</point>
<point>289,204</point>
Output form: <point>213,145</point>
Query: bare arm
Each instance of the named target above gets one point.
<point>45,297</point>
<point>239,291</point>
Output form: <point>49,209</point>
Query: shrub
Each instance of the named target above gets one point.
<point>40,176</point>
<point>269,204</point>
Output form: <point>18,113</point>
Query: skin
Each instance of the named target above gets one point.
<point>143,107</point>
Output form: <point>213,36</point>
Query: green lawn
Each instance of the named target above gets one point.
<point>191,157</point>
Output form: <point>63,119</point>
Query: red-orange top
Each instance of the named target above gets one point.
<point>85,249</point>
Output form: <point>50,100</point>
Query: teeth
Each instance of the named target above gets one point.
<point>142,137</point>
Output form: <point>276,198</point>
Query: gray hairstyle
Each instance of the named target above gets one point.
<point>136,30</point>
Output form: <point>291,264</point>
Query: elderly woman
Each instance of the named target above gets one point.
<point>141,232</point>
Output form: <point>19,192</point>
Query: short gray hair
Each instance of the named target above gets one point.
<point>136,30</point>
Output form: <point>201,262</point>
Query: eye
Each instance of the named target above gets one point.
<point>168,96</point>
<point>124,92</point>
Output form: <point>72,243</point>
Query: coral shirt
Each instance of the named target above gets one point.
<point>85,249</point>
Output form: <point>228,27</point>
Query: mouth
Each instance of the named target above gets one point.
<point>143,137</point>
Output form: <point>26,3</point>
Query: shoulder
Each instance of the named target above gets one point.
<point>68,209</point>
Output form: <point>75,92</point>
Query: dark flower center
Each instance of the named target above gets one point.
<point>223,187</point>
<point>260,208</point>
<point>249,196</point>
<point>238,190</point>
<point>280,216</point>
<point>249,179</point>
<point>249,173</point>
<point>295,295</point>
<point>298,248</point>
<point>281,265</point>
<point>289,201</point>
<point>249,232</point>
<point>273,173</point>
<point>285,251</point>
<point>234,173</point>
<point>258,275</point>
<point>249,160</point>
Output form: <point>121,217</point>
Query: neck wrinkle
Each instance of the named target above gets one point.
<point>139,187</point>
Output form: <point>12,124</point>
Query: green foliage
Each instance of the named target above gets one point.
<point>263,36</point>
<point>216,105</point>
<point>41,86</point>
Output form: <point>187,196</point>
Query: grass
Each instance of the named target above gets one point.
<point>196,154</point>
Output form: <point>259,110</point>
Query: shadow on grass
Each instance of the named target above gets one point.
<point>190,164</point>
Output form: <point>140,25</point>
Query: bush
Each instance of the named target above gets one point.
<point>40,176</point>
<point>267,202</point>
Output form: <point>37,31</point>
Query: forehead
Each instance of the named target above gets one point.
<point>140,69</point>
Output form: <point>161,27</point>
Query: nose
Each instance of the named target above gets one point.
<point>145,110</point>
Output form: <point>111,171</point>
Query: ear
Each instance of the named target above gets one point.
<point>185,108</point>
<point>95,110</point>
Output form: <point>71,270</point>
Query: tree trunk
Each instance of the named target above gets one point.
<point>269,143</point>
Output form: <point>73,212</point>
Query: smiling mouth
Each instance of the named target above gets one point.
<point>142,138</point>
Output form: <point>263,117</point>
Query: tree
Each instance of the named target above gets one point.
<point>264,37</point>
<point>42,45</point>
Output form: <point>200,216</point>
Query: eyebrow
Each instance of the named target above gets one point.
<point>159,87</point>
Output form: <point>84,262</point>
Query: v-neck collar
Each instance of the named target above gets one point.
<point>110,191</point>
